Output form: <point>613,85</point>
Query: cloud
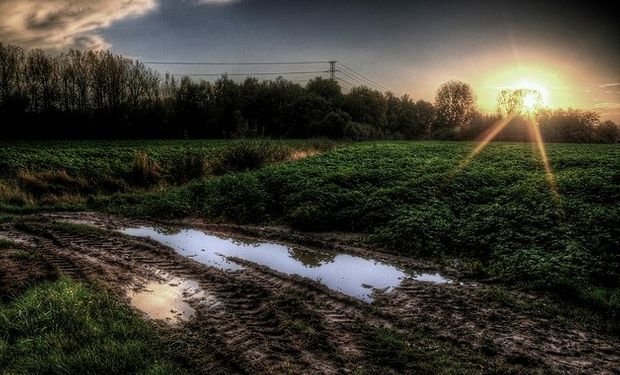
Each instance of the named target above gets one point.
<point>607,105</point>
<point>60,24</point>
<point>605,85</point>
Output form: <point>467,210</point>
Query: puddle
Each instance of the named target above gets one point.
<point>352,275</point>
<point>166,300</point>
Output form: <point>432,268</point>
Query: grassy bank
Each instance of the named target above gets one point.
<point>65,175</point>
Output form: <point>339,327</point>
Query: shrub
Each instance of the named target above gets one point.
<point>186,166</point>
<point>238,198</point>
<point>249,155</point>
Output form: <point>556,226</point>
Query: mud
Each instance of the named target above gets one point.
<point>261,320</point>
<point>167,299</point>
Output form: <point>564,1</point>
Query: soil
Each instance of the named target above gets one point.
<point>21,267</point>
<point>257,320</point>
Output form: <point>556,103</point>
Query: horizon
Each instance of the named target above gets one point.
<point>568,53</point>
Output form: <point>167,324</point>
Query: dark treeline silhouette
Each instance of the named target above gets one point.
<point>96,94</point>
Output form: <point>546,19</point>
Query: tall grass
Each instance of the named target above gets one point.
<point>64,327</point>
<point>145,171</point>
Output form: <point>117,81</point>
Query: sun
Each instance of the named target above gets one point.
<point>532,101</point>
<point>537,95</point>
<point>523,99</point>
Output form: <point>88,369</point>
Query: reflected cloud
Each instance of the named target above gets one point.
<point>61,24</point>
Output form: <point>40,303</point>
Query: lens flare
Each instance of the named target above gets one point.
<point>493,131</point>
<point>538,145</point>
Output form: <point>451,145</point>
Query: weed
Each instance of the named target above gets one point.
<point>145,171</point>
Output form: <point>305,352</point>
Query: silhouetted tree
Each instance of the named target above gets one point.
<point>98,94</point>
<point>519,102</point>
<point>367,106</point>
<point>455,103</point>
<point>607,132</point>
<point>571,125</point>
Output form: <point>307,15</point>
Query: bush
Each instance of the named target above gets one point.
<point>248,155</point>
<point>186,166</point>
<point>418,230</point>
<point>238,198</point>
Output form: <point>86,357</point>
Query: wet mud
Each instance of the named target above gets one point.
<point>261,317</point>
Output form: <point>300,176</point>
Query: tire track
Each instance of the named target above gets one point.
<point>242,319</point>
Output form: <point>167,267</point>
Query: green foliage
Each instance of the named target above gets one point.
<point>248,155</point>
<point>187,166</point>
<point>65,327</point>
<point>63,175</point>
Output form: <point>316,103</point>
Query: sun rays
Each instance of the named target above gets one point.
<point>537,140</point>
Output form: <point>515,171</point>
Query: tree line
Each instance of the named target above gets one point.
<point>96,94</point>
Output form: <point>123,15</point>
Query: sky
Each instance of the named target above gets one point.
<point>569,50</point>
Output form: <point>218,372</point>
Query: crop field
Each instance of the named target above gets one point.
<point>500,265</point>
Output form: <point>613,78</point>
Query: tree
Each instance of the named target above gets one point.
<point>522,102</point>
<point>328,89</point>
<point>11,64</point>
<point>607,132</point>
<point>367,106</point>
<point>455,104</point>
<point>571,125</point>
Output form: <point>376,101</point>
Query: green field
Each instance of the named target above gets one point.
<point>497,215</point>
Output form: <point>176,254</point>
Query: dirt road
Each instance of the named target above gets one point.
<point>258,320</point>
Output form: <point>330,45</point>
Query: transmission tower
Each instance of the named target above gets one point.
<point>332,69</point>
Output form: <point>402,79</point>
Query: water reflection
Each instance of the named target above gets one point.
<point>166,300</point>
<point>352,275</point>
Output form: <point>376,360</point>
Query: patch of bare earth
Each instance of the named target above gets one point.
<point>257,320</point>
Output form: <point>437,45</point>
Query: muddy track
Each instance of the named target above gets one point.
<point>250,320</point>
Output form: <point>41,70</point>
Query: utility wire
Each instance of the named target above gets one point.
<point>235,63</point>
<point>345,81</point>
<point>359,81</point>
<point>363,76</point>
<point>249,74</point>
<point>350,73</point>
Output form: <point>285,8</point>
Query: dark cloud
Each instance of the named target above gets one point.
<point>58,24</point>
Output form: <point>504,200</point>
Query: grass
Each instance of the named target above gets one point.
<point>65,175</point>
<point>64,327</point>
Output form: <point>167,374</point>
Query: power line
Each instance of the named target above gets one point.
<point>249,74</point>
<point>344,80</point>
<point>359,81</point>
<point>235,63</point>
<point>350,73</point>
<point>363,77</point>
